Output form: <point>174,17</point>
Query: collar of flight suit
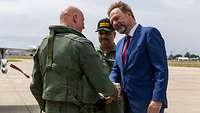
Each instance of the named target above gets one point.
<point>113,49</point>
<point>57,29</point>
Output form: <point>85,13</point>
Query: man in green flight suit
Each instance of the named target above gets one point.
<point>68,74</point>
<point>106,52</point>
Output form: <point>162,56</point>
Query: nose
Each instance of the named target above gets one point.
<point>103,36</point>
<point>114,23</point>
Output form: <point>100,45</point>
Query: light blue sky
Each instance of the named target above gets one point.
<point>25,22</point>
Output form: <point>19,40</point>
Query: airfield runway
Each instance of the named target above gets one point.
<point>183,90</point>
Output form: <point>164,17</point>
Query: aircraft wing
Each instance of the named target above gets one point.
<point>11,43</point>
<point>6,50</point>
<point>18,48</point>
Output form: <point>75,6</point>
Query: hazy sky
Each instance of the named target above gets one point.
<point>25,22</point>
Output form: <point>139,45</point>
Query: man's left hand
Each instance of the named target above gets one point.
<point>154,107</point>
<point>109,99</point>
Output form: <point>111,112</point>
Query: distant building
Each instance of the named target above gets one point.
<point>183,58</point>
<point>195,59</point>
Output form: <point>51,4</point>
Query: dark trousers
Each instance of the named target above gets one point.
<point>126,105</point>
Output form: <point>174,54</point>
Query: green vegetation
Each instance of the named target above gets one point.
<point>18,58</point>
<point>173,63</point>
<point>13,60</point>
<point>184,63</point>
<point>187,54</point>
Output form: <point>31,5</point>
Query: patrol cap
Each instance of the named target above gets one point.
<point>104,25</point>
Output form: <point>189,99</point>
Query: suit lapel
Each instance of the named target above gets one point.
<point>121,53</point>
<point>132,43</point>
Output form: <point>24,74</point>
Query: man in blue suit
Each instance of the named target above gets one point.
<point>140,64</point>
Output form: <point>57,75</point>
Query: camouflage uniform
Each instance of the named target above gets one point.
<point>67,73</point>
<point>108,60</point>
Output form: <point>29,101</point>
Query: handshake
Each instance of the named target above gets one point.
<point>109,99</point>
<point>101,103</point>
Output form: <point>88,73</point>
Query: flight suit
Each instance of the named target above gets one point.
<point>108,60</point>
<point>68,74</point>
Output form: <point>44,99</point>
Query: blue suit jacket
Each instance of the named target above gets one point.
<point>144,76</point>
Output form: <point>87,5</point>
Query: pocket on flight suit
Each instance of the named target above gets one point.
<point>60,107</point>
<point>53,107</point>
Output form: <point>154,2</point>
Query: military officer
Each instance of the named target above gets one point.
<point>68,74</point>
<point>106,35</point>
<point>106,51</point>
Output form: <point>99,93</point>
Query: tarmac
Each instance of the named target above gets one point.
<point>15,96</point>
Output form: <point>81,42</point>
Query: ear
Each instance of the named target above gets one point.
<point>114,33</point>
<point>129,14</point>
<point>75,18</point>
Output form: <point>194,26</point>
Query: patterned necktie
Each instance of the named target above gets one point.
<point>125,48</point>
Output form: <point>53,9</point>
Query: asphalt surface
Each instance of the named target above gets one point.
<point>15,96</point>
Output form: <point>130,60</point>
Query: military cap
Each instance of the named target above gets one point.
<point>104,25</point>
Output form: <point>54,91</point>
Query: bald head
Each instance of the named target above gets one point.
<point>72,17</point>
